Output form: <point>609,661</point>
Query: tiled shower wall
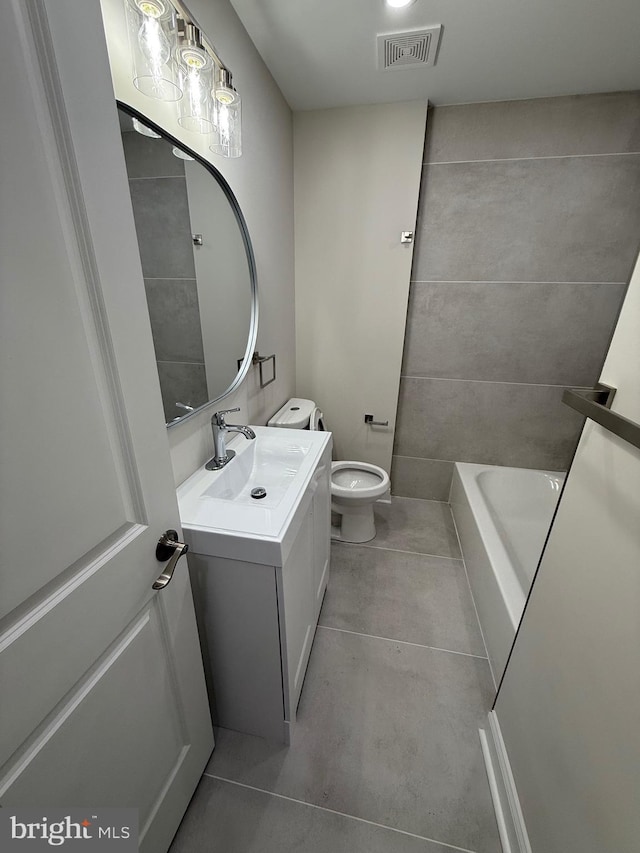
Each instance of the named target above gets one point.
<point>161,211</point>
<point>528,228</point>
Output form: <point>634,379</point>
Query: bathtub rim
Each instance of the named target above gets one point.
<point>513,595</point>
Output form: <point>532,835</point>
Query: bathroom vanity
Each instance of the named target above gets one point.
<point>259,569</point>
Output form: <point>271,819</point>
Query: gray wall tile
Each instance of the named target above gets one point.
<point>429,479</point>
<point>554,334</point>
<point>175,319</point>
<point>525,426</point>
<point>485,231</point>
<point>542,127</point>
<point>163,226</point>
<point>570,219</point>
<point>181,382</point>
<point>150,158</point>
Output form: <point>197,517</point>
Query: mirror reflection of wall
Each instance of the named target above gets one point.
<point>161,210</point>
<point>196,273</point>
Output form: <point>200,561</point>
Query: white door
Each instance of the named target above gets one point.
<point>569,704</point>
<point>103,695</point>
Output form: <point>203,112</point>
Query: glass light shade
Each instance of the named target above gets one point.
<point>227,135</point>
<point>196,76</point>
<point>180,154</point>
<point>152,29</point>
<point>144,130</point>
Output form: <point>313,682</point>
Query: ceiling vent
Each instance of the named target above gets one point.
<point>413,49</point>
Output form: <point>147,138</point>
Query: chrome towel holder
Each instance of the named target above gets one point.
<point>258,359</point>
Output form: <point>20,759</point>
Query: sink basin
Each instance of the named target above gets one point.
<point>217,509</point>
<point>267,463</point>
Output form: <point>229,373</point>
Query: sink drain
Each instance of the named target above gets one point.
<point>258,492</point>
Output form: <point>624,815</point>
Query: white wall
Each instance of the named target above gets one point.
<point>357,179</point>
<point>262,180</point>
<point>569,705</point>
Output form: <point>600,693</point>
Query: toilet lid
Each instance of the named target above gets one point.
<point>355,478</point>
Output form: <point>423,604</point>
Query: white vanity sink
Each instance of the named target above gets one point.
<point>217,509</point>
<point>259,569</point>
<point>269,462</point>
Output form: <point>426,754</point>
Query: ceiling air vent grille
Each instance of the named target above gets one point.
<point>414,49</point>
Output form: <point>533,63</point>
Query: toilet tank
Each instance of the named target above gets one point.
<point>294,414</point>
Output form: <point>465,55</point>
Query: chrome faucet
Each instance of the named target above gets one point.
<point>221,455</point>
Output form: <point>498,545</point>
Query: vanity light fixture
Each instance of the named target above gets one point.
<point>180,154</point>
<point>399,4</point>
<point>196,75</point>
<point>227,136</point>
<point>141,128</point>
<point>174,61</point>
<point>152,28</point>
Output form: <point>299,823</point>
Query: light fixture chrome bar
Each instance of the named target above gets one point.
<point>185,14</point>
<point>595,403</point>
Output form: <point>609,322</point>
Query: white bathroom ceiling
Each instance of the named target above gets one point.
<point>323,53</point>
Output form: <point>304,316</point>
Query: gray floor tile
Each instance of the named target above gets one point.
<point>425,527</point>
<point>386,732</point>
<point>226,818</point>
<point>401,596</point>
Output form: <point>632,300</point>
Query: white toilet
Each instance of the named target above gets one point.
<point>355,486</point>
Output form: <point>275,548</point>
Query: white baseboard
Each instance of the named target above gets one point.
<point>511,826</point>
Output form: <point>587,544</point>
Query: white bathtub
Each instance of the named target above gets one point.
<point>503,516</point>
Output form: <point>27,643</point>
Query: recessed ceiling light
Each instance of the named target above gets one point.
<point>399,4</point>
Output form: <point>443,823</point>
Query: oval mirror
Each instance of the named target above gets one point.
<point>198,268</point>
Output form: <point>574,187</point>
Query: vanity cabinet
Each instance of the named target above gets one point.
<point>257,619</point>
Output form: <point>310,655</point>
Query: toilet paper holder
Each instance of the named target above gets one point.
<point>368,419</point>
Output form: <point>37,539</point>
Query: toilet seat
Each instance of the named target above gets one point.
<point>358,480</point>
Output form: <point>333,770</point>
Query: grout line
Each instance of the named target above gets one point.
<point>493,678</point>
<point>491,381</point>
<point>335,812</point>
<point>397,550</point>
<point>424,500</point>
<point>159,178</point>
<point>567,96</point>
<point>526,159</point>
<point>505,281</point>
<point>404,642</point>
<point>194,363</point>
<point>426,459</point>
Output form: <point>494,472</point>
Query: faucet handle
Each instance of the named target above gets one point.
<point>218,417</point>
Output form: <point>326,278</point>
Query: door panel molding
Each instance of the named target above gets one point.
<point>88,283</point>
<point>34,609</point>
<point>43,734</point>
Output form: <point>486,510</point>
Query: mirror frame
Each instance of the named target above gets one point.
<point>246,239</point>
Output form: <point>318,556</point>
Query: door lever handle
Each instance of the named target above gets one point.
<point>168,548</point>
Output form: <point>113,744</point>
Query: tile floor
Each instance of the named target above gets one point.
<point>386,756</point>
